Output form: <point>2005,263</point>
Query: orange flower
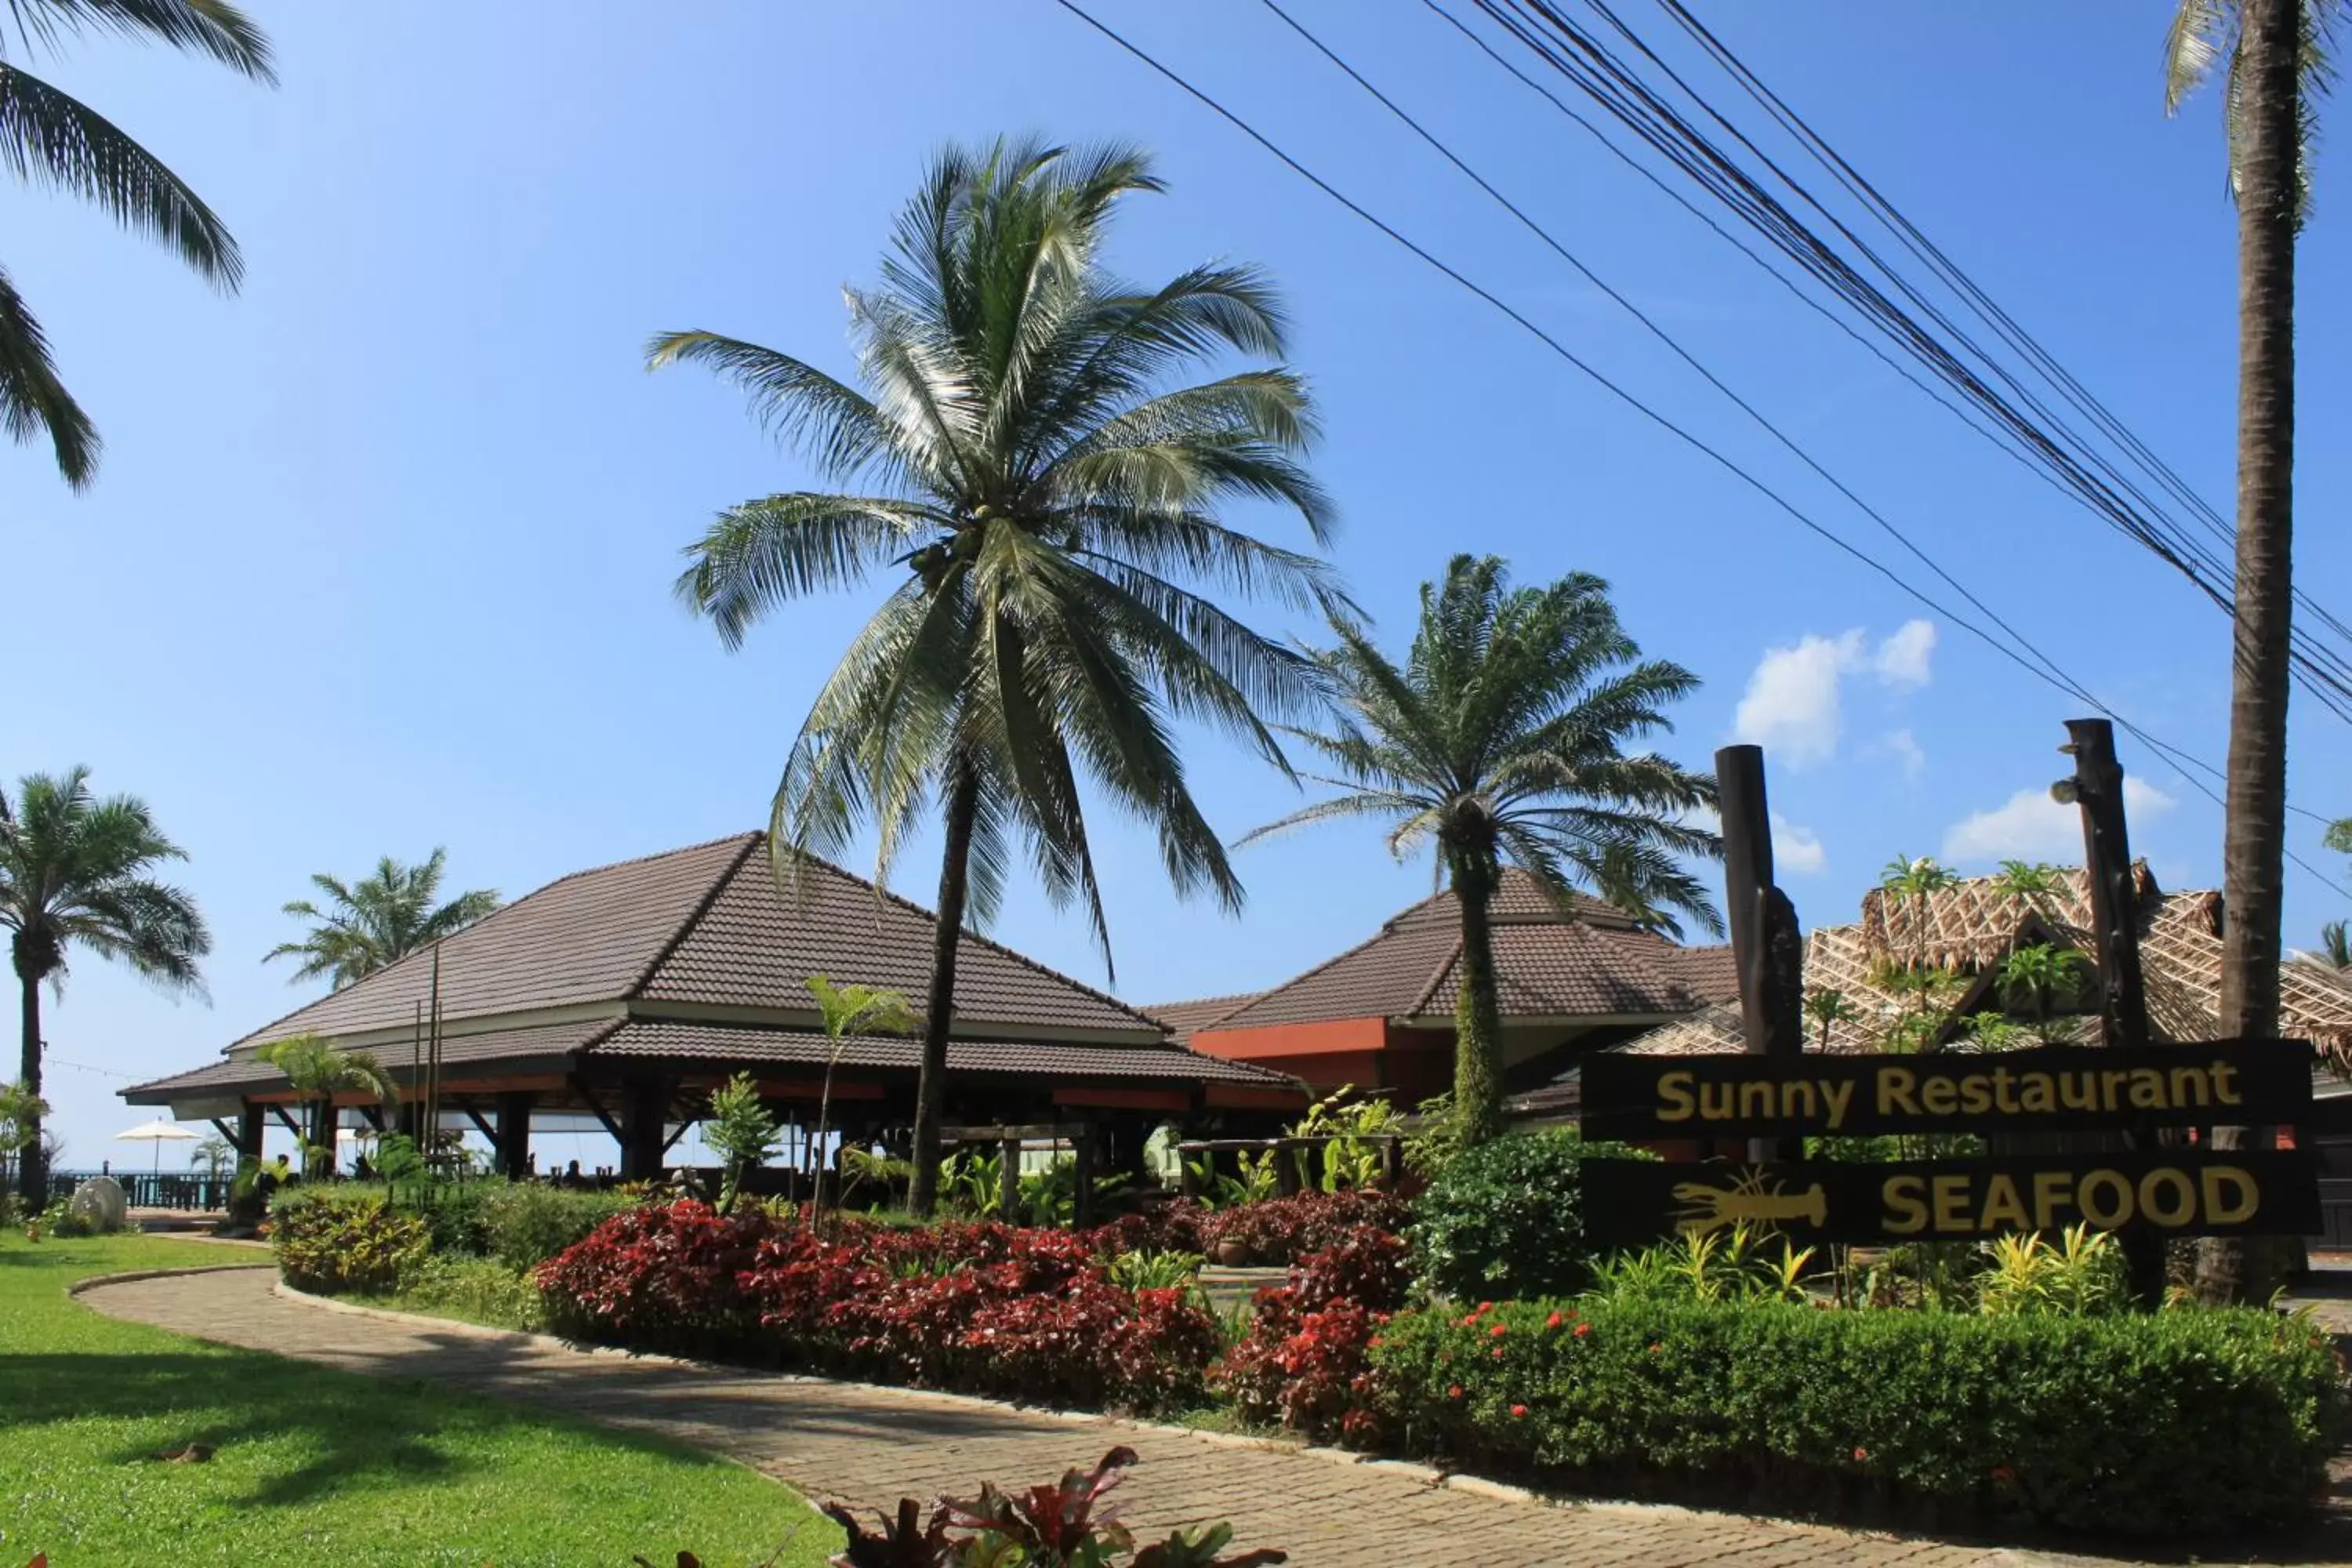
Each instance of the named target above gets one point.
<point>1553,1321</point>
<point>1454,1392</point>
<point>1860,1455</point>
<point>1655,1347</point>
<point>1584,1329</point>
<point>1485,1306</point>
<point>1519,1410</point>
<point>2003,1474</point>
<point>1498,1352</point>
<point>1470,1320</point>
<point>1500,1329</point>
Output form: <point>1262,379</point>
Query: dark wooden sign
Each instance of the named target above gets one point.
<point>2047,1088</point>
<point>1630,1203</point>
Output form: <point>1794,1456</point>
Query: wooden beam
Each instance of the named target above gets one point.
<point>1124,1099</point>
<point>292,1125</point>
<point>588,1097</point>
<point>1764,949</point>
<point>481,1125</point>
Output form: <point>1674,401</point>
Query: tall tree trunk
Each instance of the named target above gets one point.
<point>1477,1017</point>
<point>32,1160</point>
<point>2253,840</point>
<point>939,1012</point>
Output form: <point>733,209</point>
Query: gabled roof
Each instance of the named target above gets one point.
<point>1589,959</point>
<point>703,925</point>
<point>1184,1019</point>
<point>1972,925</point>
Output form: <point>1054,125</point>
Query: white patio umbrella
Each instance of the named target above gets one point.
<point>158,1134</point>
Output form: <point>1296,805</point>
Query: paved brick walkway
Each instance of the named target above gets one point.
<point>871,1446</point>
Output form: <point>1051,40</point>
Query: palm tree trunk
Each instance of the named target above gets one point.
<point>939,1012</point>
<point>1477,1016</point>
<point>32,1160</point>
<point>2253,840</point>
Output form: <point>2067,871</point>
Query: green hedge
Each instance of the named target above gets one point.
<point>2185,1421</point>
<point>334,1247</point>
<point>1506,1218</point>
<point>520,1224</point>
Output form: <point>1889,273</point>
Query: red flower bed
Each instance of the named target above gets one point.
<point>986,1309</point>
<point>1285,1230</point>
<point>1306,1362</point>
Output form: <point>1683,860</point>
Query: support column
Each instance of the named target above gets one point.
<point>513,1133</point>
<point>250,1121</point>
<point>645,1103</point>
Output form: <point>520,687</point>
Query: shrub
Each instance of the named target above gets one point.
<point>659,1276</point>
<point>524,1223</point>
<point>2082,1275</point>
<point>478,1289</point>
<point>1303,1362</point>
<point>2186,1421</point>
<point>1506,1218</point>
<point>1283,1230</point>
<point>331,1247</point>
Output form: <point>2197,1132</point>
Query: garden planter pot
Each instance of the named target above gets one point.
<point>1234,1254</point>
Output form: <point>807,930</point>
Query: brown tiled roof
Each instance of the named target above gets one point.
<point>1591,960</point>
<point>704,924</point>
<point>589,937</point>
<point>1062,1063</point>
<point>1184,1018</point>
<point>1971,925</point>
<point>756,946</point>
<point>1707,972</point>
<point>243,1074</point>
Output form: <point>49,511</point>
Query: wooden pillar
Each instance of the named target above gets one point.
<point>1008,1181</point>
<point>250,1121</point>
<point>1764,941</point>
<point>645,1104</point>
<point>2097,787</point>
<point>512,1135</point>
<point>322,1131</point>
<point>1083,1157</point>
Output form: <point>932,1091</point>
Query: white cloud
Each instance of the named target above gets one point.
<point>1794,849</point>
<point>1790,707</point>
<point>1902,660</point>
<point>2032,826</point>
<point>1793,706</point>
<point>1904,748</point>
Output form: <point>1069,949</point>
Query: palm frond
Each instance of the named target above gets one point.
<point>764,553</point>
<point>214,29</point>
<point>33,401</point>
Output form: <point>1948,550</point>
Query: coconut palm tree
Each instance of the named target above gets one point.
<point>317,1069</point>
<point>2273,58</point>
<point>77,872</point>
<point>1504,739</point>
<point>378,921</point>
<point>1043,495</point>
<point>48,137</point>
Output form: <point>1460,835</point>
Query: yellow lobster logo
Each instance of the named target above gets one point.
<point>1750,1198</point>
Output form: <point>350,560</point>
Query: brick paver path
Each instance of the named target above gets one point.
<point>870,1446</point>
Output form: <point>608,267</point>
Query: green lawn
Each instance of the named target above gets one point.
<point>317,1466</point>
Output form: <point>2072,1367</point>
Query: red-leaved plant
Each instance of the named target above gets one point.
<point>1061,1525</point>
<point>1306,1362</point>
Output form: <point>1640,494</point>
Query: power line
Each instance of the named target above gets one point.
<point>1639,406</point>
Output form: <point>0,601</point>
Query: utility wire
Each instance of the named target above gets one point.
<point>1644,409</point>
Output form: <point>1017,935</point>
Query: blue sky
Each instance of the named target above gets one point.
<point>379,555</point>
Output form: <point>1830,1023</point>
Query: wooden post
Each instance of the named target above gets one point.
<point>1286,1168</point>
<point>1188,1180</point>
<point>2097,787</point>
<point>1082,1155</point>
<point>644,1103</point>
<point>1763,925</point>
<point>513,1136</point>
<point>249,1123</point>
<point>1008,1181</point>
<point>1391,1161</point>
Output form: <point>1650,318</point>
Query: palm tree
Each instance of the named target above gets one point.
<point>50,138</point>
<point>377,921</point>
<point>1045,497</point>
<point>1503,739</point>
<point>2275,58</point>
<point>317,1069</point>
<point>77,871</point>
<point>848,1010</point>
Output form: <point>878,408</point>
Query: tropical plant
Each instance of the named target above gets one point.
<point>1047,500</point>
<point>1503,739</point>
<point>2082,1275</point>
<point>1736,1264</point>
<point>2273,55</point>
<point>79,872</point>
<point>848,1010</point>
<point>215,1157</point>
<point>317,1069</point>
<point>971,1181</point>
<point>742,1130</point>
<point>2042,978</point>
<point>1357,1128</point>
<point>50,138</point>
<point>1828,1009</point>
<point>1154,1270</point>
<point>2040,883</point>
<point>378,921</point>
<point>1506,1217</point>
<point>21,1111</point>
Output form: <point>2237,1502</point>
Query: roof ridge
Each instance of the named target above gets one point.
<point>1454,951</point>
<point>1022,959</point>
<point>694,916</point>
<point>1387,930</point>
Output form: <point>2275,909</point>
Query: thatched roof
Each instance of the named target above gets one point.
<point>1971,925</point>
